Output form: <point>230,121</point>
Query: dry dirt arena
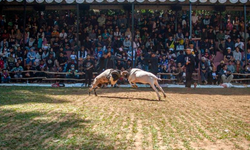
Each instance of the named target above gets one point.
<point>124,118</point>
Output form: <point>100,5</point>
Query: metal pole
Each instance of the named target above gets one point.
<point>175,20</point>
<point>133,8</point>
<point>24,24</point>
<point>245,26</point>
<point>77,49</point>
<point>190,20</point>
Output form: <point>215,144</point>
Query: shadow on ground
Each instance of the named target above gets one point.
<point>129,98</point>
<point>42,128</point>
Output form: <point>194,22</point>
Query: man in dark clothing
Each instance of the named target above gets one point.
<point>109,61</point>
<point>62,62</point>
<point>180,58</point>
<point>190,66</point>
<point>50,62</point>
<point>119,65</point>
<point>154,64</point>
<point>88,67</point>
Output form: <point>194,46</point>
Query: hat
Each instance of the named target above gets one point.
<point>229,48</point>
<point>222,62</point>
<point>171,49</point>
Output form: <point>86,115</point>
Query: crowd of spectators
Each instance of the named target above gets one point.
<point>159,41</point>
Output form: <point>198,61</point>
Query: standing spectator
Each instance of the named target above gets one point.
<point>190,66</point>
<point>154,64</point>
<point>88,67</point>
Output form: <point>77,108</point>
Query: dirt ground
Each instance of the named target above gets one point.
<point>126,118</point>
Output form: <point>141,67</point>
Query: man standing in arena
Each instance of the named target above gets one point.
<point>190,67</point>
<point>88,67</point>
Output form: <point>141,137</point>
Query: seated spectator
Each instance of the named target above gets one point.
<point>31,57</point>
<point>62,62</point>
<point>73,56</point>
<point>72,73</point>
<point>17,70</point>
<point>237,54</point>
<point>11,61</point>
<point>204,70</point>
<point>228,55</point>
<point>170,43</point>
<point>179,37</point>
<point>119,65</point>
<point>246,70</point>
<point>19,53</point>
<point>221,47</point>
<point>226,75</point>
<point>214,76</point>
<point>230,43</point>
<point>173,72</point>
<point>63,35</point>
<point>179,73</point>
<point>1,63</point>
<point>105,35</point>
<point>238,68</point>
<point>50,62</point>
<point>60,69</point>
<point>220,36</point>
<point>204,46</point>
<point>230,67</point>
<point>127,44</point>
<point>212,47</point>
<point>248,55</point>
<point>239,44</point>
<point>5,76</point>
<point>28,74</point>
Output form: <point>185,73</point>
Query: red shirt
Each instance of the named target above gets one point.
<point>1,64</point>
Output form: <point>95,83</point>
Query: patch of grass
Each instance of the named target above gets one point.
<point>67,118</point>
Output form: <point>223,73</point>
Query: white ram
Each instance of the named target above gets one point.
<point>136,75</point>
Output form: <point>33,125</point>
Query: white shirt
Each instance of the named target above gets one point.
<point>240,45</point>
<point>63,35</point>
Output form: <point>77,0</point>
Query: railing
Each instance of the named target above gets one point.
<point>195,76</point>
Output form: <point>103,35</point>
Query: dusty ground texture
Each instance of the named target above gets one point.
<point>67,118</point>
